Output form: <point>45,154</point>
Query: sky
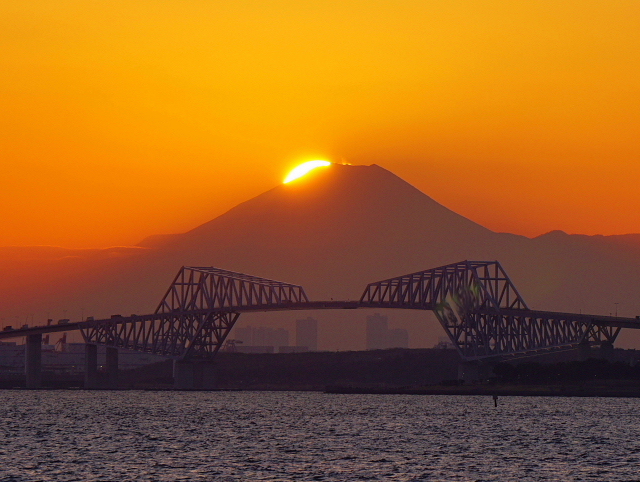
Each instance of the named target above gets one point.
<point>123,119</point>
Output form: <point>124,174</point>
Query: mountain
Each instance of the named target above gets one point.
<point>332,231</point>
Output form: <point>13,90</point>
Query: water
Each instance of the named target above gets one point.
<point>282,436</point>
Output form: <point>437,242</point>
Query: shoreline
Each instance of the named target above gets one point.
<point>501,391</point>
<point>486,390</point>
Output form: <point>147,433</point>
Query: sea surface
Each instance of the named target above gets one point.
<point>282,436</point>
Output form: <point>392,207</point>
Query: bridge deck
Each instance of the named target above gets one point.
<point>313,305</point>
<point>613,321</point>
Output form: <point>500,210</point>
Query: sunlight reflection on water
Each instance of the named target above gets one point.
<point>278,436</point>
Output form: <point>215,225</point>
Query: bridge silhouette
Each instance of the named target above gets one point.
<point>476,303</point>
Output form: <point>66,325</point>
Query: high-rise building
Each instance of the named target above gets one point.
<point>377,328</point>
<point>307,333</point>
<point>380,337</point>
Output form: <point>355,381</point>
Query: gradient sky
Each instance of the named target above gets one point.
<point>122,119</point>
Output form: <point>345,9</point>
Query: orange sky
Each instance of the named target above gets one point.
<point>122,119</point>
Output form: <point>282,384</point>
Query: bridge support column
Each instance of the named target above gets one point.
<point>183,375</point>
<point>33,361</point>
<point>90,366</point>
<point>112,367</point>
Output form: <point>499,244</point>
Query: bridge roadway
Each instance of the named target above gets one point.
<point>78,325</point>
<point>610,321</point>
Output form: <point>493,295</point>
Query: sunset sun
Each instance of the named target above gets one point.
<point>303,169</point>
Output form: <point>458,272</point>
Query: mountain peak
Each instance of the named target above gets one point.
<point>347,201</point>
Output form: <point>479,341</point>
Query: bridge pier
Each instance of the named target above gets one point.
<point>33,361</point>
<point>112,367</point>
<point>90,366</point>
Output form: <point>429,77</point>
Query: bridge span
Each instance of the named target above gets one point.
<point>476,303</point>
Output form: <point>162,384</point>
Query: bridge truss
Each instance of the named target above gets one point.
<point>484,315</point>
<point>476,303</point>
<point>196,314</point>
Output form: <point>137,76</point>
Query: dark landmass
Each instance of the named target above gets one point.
<point>592,370</point>
<point>310,371</point>
<point>408,371</point>
<point>594,377</point>
<point>395,371</point>
<point>51,381</point>
<point>614,389</point>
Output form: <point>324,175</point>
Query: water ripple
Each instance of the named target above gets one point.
<point>284,436</point>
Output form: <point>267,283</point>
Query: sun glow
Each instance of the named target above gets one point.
<point>303,169</point>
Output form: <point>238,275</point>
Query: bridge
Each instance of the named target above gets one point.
<point>476,303</point>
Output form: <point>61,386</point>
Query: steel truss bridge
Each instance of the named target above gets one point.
<point>475,302</point>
